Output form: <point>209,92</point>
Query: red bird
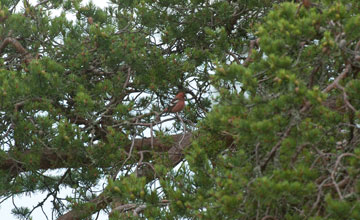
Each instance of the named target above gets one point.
<point>177,104</point>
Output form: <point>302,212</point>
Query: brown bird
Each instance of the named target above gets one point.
<point>177,104</point>
<point>307,3</point>
<point>90,20</point>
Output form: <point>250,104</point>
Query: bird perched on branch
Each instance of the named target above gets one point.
<point>177,104</point>
<point>306,3</point>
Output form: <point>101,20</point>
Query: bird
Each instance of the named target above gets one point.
<point>177,104</point>
<point>307,3</point>
<point>90,20</point>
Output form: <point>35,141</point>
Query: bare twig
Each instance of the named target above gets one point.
<point>152,135</point>
<point>329,87</point>
<point>6,198</point>
<point>257,153</point>
<point>41,3</point>
<point>128,157</point>
<point>127,78</point>
<point>10,127</point>
<point>299,54</point>
<point>124,208</point>
<point>320,193</point>
<point>150,124</point>
<point>271,154</point>
<point>268,217</point>
<point>346,98</point>
<point>20,104</point>
<point>334,172</point>
<point>182,122</point>
<point>337,80</point>
<point>357,47</point>
<point>136,208</point>
<point>341,184</point>
<point>298,150</point>
<point>234,56</point>
<point>248,59</point>
<point>124,29</point>
<point>312,75</point>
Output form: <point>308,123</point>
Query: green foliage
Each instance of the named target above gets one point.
<point>21,212</point>
<point>279,140</point>
<point>281,121</point>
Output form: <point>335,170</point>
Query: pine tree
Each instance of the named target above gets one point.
<point>82,99</point>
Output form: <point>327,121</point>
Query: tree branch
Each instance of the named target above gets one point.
<point>253,43</point>
<point>18,47</point>
<point>175,156</point>
<point>50,158</point>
